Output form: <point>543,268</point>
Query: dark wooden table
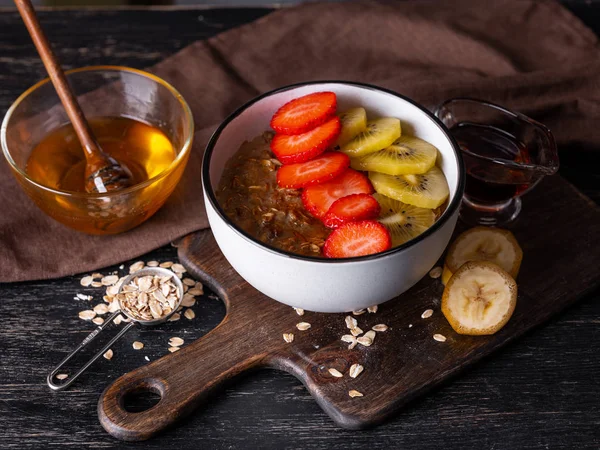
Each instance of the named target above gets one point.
<point>541,393</point>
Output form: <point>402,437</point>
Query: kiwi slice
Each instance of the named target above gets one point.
<point>404,222</point>
<point>426,190</point>
<point>408,154</point>
<point>380,133</point>
<point>354,121</point>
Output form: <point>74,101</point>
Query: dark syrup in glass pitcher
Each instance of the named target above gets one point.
<point>505,155</point>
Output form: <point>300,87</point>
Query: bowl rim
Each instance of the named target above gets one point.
<point>210,194</point>
<point>183,153</point>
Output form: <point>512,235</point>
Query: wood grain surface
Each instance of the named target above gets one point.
<point>403,363</point>
<point>542,392</point>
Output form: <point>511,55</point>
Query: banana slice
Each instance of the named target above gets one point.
<point>446,275</point>
<point>354,121</point>
<point>408,154</point>
<point>426,190</point>
<point>485,244</point>
<point>404,222</point>
<point>380,133</point>
<point>479,298</point>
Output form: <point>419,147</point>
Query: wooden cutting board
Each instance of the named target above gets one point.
<point>558,230</point>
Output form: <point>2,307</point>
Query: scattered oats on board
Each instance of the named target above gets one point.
<point>86,281</point>
<point>188,282</point>
<point>436,272</point>
<point>367,339</point>
<point>152,263</point>
<point>189,314</point>
<point>109,280</point>
<point>439,337</point>
<point>113,290</point>
<point>427,314</point>
<point>101,308</point>
<point>118,319</point>
<point>336,373</point>
<point>87,314</point>
<point>348,338</point>
<point>178,268</point>
<point>354,393</point>
<point>122,266</point>
<point>299,311</point>
<point>109,354</point>
<point>96,284</point>
<point>356,370</point>
<point>288,337</point>
<point>137,345</point>
<point>359,312</point>
<point>188,300</point>
<point>303,326</point>
<point>370,334</point>
<point>173,349</point>
<point>146,358</point>
<point>62,376</point>
<point>139,265</point>
<point>98,320</point>
<point>195,291</point>
<point>175,341</point>
<point>380,327</point>
<point>372,309</point>
<point>84,297</point>
<point>114,306</point>
<point>174,317</point>
<point>356,331</point>
<point>350,322</point>
<point>166,264</point>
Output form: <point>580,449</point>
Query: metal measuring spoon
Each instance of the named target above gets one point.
<point>154,271</point>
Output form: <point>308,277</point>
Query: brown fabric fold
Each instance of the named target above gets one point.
<point>532,56</point>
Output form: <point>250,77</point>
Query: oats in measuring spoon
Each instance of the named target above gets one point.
<point>149,297</point>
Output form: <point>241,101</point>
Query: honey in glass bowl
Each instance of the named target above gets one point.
<point>138,118</point>
<point>58,160</point>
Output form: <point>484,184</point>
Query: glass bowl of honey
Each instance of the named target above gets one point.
<point>137,118</point>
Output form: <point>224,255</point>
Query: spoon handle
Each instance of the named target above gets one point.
<point>52,380</point>
<point>57,76</point>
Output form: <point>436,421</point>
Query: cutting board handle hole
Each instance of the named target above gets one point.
<point>141,399</point>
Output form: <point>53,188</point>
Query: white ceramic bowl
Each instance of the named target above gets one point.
<point>328,285</point>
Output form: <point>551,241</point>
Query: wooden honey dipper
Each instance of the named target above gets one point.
<point>102,172</point>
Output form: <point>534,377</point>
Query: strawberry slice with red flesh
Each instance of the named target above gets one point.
<point>323,168</point>
<point>304,113</point>
<point>352,208</point>
<point>291,149</point>
<point>317,199</point>
<point>357,239</point>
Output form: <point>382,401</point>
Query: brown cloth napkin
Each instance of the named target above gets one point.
<point>533,56</point>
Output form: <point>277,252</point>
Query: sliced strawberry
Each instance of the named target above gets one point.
<point>297,148</point>
<point>317,199</point>
<point>357,239</point>
<point>304,113</point>
<point>352,208</point>
<point>318,170</point>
